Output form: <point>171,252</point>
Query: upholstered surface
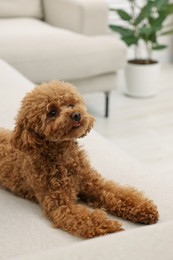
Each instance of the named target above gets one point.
<point>86,17</point>
<point>43,52</point>
<point>27,234</point>
<point>13,87</point>
<point>24,230</point>
<point>154,242</point>
<point>21,8</point>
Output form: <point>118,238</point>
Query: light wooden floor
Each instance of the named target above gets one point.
<point>141,127</point>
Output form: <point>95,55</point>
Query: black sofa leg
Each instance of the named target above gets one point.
<point>107,94</point>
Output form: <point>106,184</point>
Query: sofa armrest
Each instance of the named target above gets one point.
<point>83,16</point>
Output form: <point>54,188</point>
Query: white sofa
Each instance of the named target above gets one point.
<point>27,235</point>
<point>61,39</point>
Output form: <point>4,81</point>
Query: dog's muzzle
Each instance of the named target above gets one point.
<point>76,116</point>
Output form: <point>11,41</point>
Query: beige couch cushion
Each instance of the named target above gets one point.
<point>42,52</point>
<point>25,231</point>
<point>20,8</point>
<point>9,80</point>
<point>87,17</point>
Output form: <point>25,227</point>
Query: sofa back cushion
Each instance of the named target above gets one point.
<point>20,8</point>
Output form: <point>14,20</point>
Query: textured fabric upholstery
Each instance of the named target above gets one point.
<point>27,234</point>
<point>86,17</point>
<point>21,8</point>
<point>71,42</point>
<point>42,52</point>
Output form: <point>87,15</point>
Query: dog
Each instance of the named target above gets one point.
<point>41,160</point>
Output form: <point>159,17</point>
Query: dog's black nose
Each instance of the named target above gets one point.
<point>76,116</point>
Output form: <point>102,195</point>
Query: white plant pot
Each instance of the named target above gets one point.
<point>142,80</point>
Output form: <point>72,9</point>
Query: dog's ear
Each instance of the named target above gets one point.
<point>24,139</point>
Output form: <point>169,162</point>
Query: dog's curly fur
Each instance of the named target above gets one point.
<point>41,161</point>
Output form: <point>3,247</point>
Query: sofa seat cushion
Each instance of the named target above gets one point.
<point>43,52</point>
<point>10,81</point>
<point>21,8</point>
<point>24,230</point>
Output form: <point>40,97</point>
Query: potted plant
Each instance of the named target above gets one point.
<point>143,25</point>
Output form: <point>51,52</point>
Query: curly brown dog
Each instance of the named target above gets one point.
<point>42,161</point>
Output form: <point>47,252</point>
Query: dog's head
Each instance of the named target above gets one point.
<point>53,112</point>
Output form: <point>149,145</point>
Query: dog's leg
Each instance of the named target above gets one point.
<point>79,221</point>
<point>124,202</point>
<point>128,203</point>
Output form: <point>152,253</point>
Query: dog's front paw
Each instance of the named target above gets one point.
<point>146,213</point>
<point>100,225</point>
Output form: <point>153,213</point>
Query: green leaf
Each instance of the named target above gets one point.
<point>146,31</point>
<point>127,35</point>
<point>153,37</point>
<point>167,32</point>
<point>158,22</point>
<point>159,47</point>
<point>124,15</point>
<point>145,12</point>
<point>166,10</point>
<point>121,30</point>
<point>161,3</point>
<point>130,40</point>
<point>151,19</point>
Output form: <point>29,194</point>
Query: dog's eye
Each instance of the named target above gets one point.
<point>71,105</point>
<point>53,113</point>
